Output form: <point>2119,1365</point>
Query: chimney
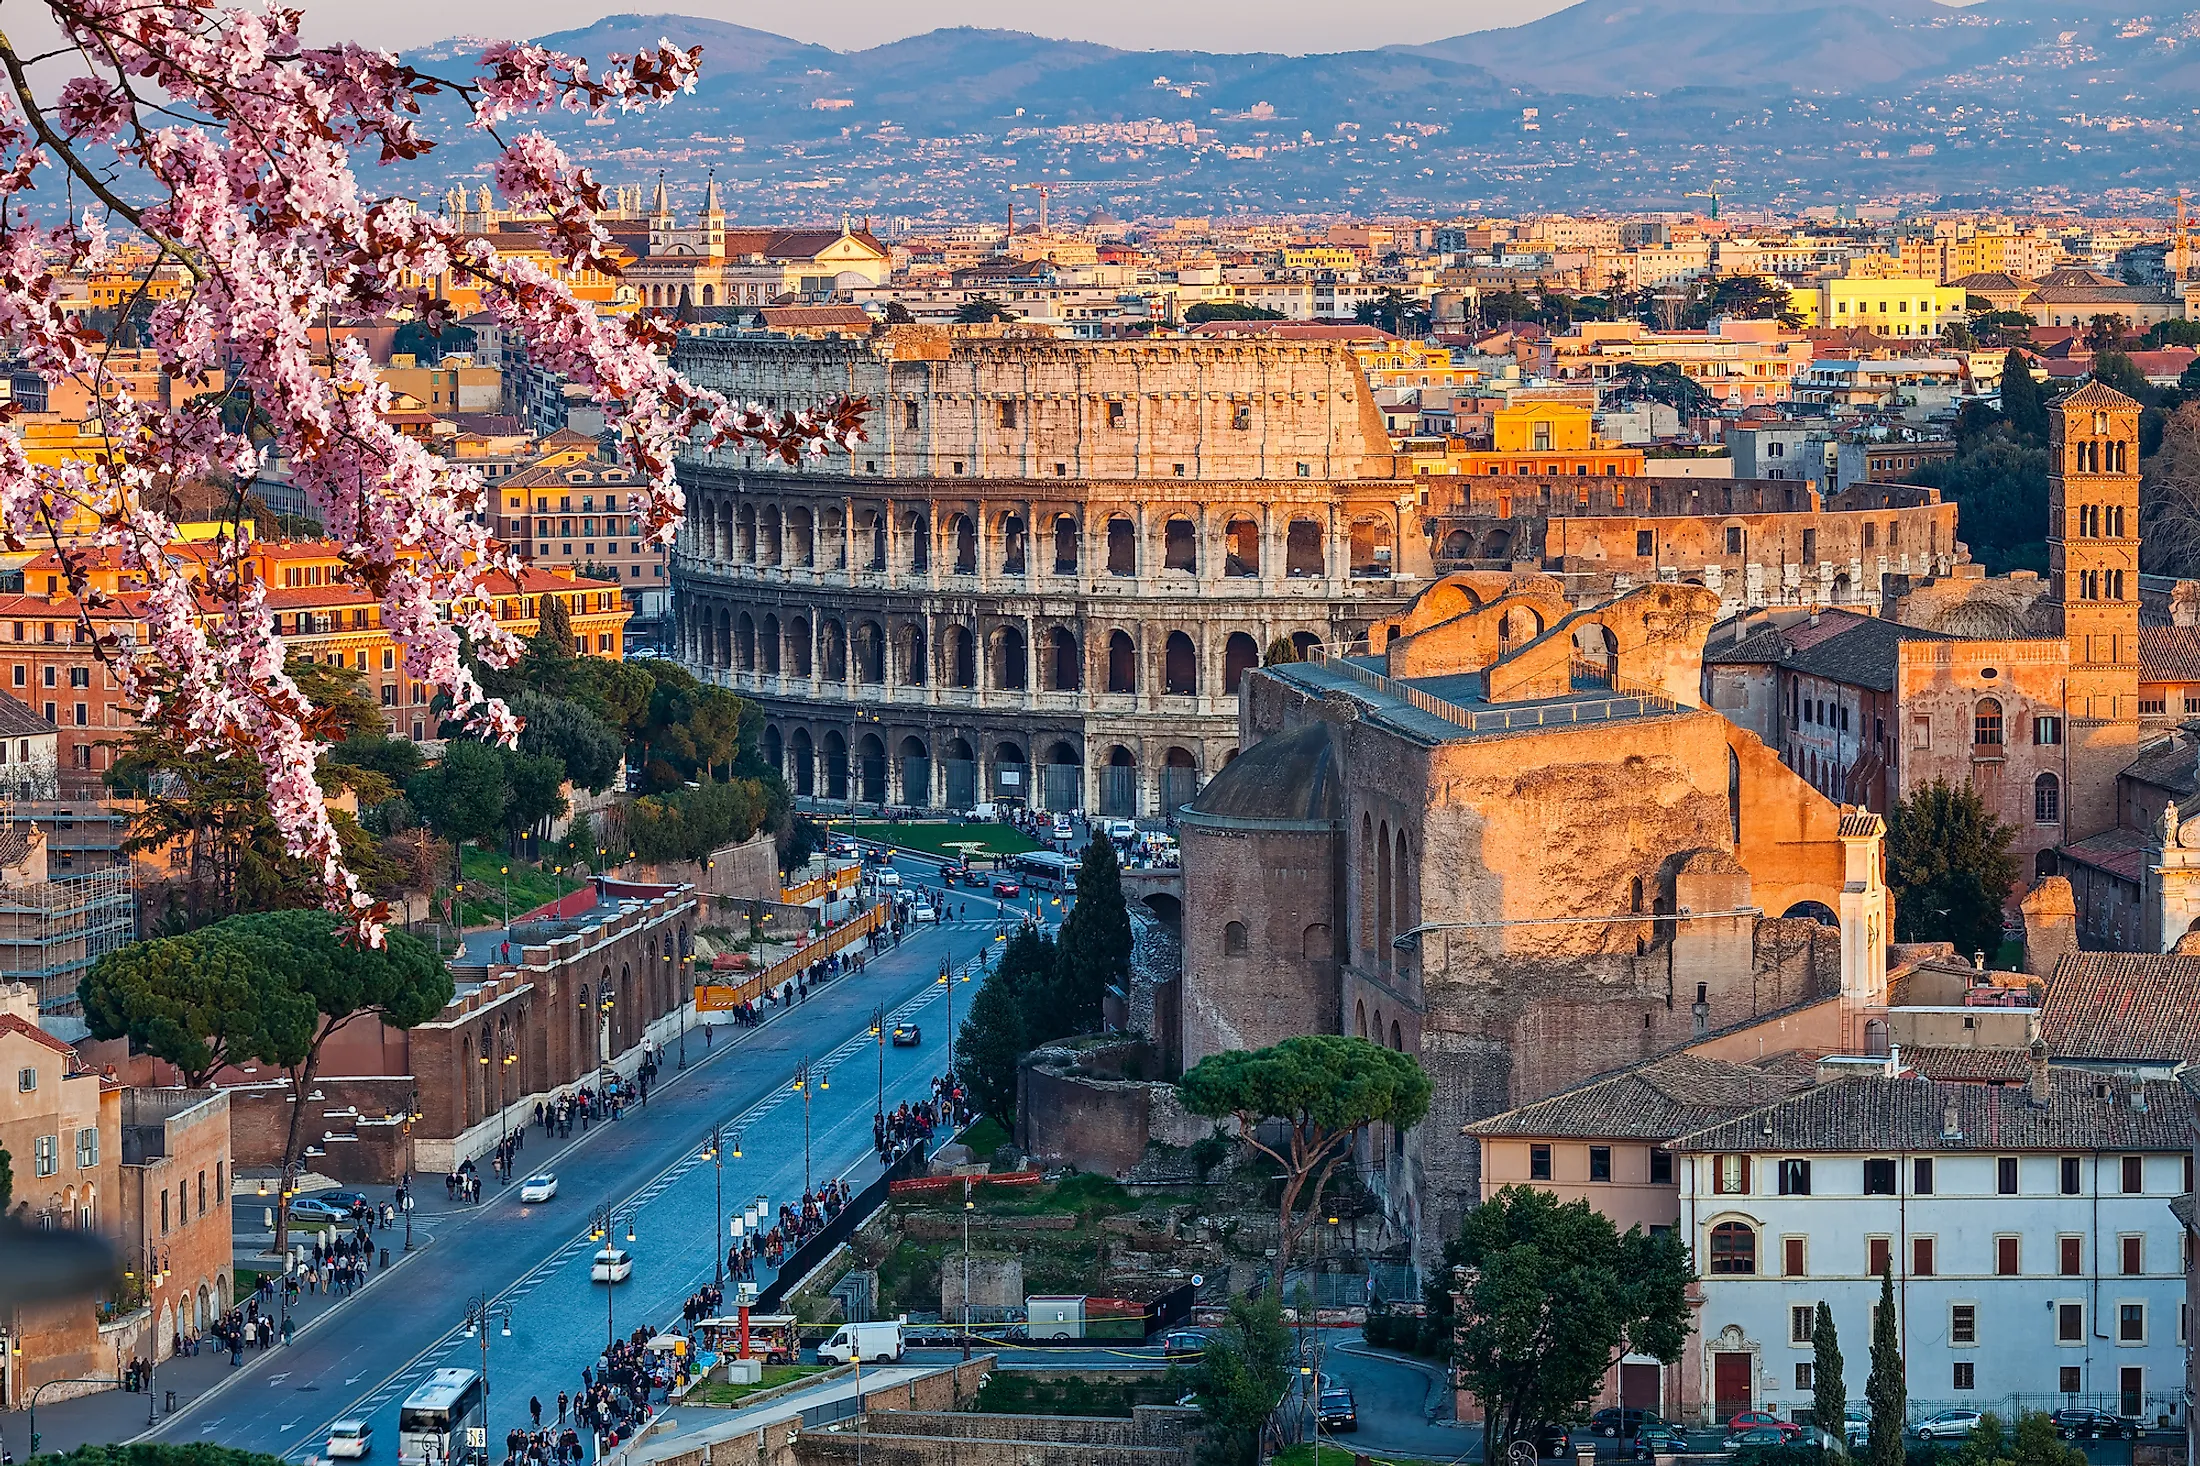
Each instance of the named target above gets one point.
<point>1814,615</point>
<point>2041,1087</point>
<point>1894,1061</point>
<point>1978,960</point>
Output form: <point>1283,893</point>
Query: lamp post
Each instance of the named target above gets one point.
<point>39,1389</point>
<point>804,1074</point>
<point>682,999</point>
<point>969,1206</point>
<point>600,1228</point>
<point>947,981</point>
<point>480,1313</point>
<point>878,1031</point>
<point>714,1151</point>
<point>404,1185</point>
<point>153,1274</point>
<point>506,872</point>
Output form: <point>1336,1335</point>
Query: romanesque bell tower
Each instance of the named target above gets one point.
<point>2093,569</point>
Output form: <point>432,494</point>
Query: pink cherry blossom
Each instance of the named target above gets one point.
<point>259,204</point>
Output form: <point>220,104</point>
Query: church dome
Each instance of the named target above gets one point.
<point>1287,778</point>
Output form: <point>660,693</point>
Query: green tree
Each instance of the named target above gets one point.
<point>555,625</point>
<point>585,746</point>
<point>1004,1021</point>
<point>428,347</point>
<point>2020,398</point>
<point>1324,1088</point>
<point>1886,1390</point>
<point>1999,487</point>
<point>1550,1295</point>
<point>1829,1394</point>
<point>463,795</point>
<point>1986,1445</point>
<point>1751,298</point>
<point>1280,651</point>
<point>1948,867</point>
<point>534,792</point>
<point>2037,1444</point>
<point>2104,331</point>
<point>1094,950</point>
<point>2180,331</point>
<point>1242,1376</point>
<point>197,1002</point>
<point>7,1180</point>
<point>982,310</point>
<point>2112,368</point>
<point>1664,382</point>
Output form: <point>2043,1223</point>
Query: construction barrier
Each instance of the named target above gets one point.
<point>719,998</point>
<point>843,879</point>
<point>926,1185</point>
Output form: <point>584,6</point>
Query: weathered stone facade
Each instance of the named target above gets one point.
<point>1530,857</point>
<point>1043,576</point>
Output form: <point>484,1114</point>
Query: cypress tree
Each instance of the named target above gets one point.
<point>1886,1390</point>
<point>1094,952</point>
<point>2020,398</point>
<point>1829,1396</point>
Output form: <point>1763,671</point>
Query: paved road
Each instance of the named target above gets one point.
<point>361,1359</point>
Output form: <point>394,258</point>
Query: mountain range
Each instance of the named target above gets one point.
<point>1615,102</point>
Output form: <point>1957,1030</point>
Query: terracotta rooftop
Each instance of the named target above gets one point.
<point>1993,1065</point>
<point>2129,1006</point>
<point>2119,851</point>
<point>2169,654</point>
<point>1873,1113</point>
<point>16,1023</point>
<point>1655,1101</point>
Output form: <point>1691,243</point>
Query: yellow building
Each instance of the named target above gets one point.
<point>1546,436</point>
<point>1319,257</point>
<point>1397,362</point>
<point>1900,305</point>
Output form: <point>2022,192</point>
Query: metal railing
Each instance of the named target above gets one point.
<point>1494,720</point>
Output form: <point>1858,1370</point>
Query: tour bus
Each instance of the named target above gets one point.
<point>433,1422</point>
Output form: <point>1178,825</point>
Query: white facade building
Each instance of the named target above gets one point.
<point>2035,1259</point>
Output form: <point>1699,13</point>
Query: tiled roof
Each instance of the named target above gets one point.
<point>1845,647</point>
<point>1998,1066</point>
<point>2119,851</point>
<point>1984,280</point>
<point>17,720</point>
<point>791,317</point>
<point>2168,764</point>
<point>2131,1006</point>
<point>1868,1113</point>
<point>1656,1101</point>
<point>2098,394</point>
<point>2169,654</point>
<point>16,1023</point>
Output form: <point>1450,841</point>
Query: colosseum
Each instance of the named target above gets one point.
<point>1043,576</point>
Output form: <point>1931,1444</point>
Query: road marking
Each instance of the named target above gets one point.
<point>276,1379</point>
<point>355,1379</point>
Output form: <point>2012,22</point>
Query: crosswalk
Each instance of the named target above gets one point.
<point>446,1352</point>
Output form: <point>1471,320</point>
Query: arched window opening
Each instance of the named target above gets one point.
<point>1012,544</point>
<point>744,643</point>
<point>770,643</point>
<point>918,534</point>
<point>833,651</point>
<point>1009,671</point>
<point>1122,548</point>
<point>962,657</point>
<point>1733,797</point>
<point>1370,548</point>
<point>912,655</point>
<point>1065,671</point>
<point>1986,723</point>
<point>798,645</point>
<point>1179,547</point>
<point>966,545</point>
<point>1122,662</point>
<point>2046,800</point>
<point>1234,942</point>
<point>1733,1249</point>
<point>870,650</point>
<point>1239,656</point>
<point>1241,556</point>
<point>1180,671</point>
<point>1065,545</point>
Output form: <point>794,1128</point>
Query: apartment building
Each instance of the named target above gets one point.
<point>2027,1229</point>
<point>1738,363</point>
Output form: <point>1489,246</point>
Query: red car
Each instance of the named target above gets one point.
<point>1749,1419</point>
<point>1007,887</point>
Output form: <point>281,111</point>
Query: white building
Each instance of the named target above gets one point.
<point>2035,1259</point>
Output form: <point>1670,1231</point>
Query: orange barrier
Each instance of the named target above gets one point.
<point>921,1185</point>
<point>835,880</point>
<point>718,998</point>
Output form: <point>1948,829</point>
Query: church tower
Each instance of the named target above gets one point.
<point>714,222</point>
<point>2093,577</point>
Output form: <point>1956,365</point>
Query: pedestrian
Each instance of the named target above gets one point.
<point>561,1407</point>
<point>534,1408</point>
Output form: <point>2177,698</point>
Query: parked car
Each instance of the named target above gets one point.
<point>352,1202</point>
<point>2079,1422</point>
<point>1614,1422</point>
<point>1062,829</point>
<point>923,911</point>
<point>1756,1435</point>
<point>1183,1344</point>
<point>1659,1440</point>
<point>539,1187</point>
<point>314,1209</point>
<point>1004,887</point>
<point>907,1035</point>
<point>350,1439</point>
<point>886,876</point>
<point>1750,1419</point>
<point>612,1265</point>
<point>1549,1437</point>
<point>1122,832</point>
<point>1337,1412</point>
<point>1856,1426</point>
<point>1948,1425</point>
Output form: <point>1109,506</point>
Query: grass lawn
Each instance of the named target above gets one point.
<point>531,886</point>
<point>940,837</point>
<point>714,1392</point>
<point>986,1137</point>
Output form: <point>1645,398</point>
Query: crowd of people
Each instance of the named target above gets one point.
<point>703,1303</point>
<point>620,1392</point>
<point>909,1125</point>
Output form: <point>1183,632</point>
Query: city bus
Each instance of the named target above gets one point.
<point>433,1422</point>
<point>1044,869</point>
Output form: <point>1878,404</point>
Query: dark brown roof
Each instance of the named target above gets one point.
<point>2129,1006</point>
<point>1983,280</point>
<point>18,721</point>
<point>800,317</point>
<point>2169,654</point>
<point>2119,851</point>
<point>1845,647</point>
<point>1997,1066</point>
<point>1656,1101</point>
<point>1867,1113</point>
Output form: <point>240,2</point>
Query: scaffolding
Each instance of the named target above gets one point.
<point>51,932</point>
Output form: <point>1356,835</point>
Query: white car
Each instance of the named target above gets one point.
<point>1062,830</point>
<point>887,876</point>
<point>1122,832</point>
<point>538,1188</point>
<point>612,1265</point>
<point>923,911</point>
<point>1948,1425</point>
<point>350,1438</point>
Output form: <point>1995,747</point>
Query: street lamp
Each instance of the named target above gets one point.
<point>600,1226</point>
<point>154,1275</point>
<point>506,872</point>
<point>480,1313</point>
<point>878,1031</point>
<point>969,1206</point>
<point>803,1075</point>
<point>404,1185</point>
<point>684,999</point>
<point>946,982</point>
<point>714,1151</point>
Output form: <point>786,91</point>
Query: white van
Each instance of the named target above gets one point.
<point>869,1341</point>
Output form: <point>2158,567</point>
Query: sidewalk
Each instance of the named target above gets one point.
<point>119,1415</point>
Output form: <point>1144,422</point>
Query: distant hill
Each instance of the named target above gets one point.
<point>1613,101</point>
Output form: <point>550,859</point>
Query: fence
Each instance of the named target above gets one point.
<point>1119,793</point>
<point>1495,720</point>
<point>825,885</point>
<point>713,998</point>
<point>1061,787</point>
<point>806,1259</point>
<point>2150,1408</point>
<point>961,777</point>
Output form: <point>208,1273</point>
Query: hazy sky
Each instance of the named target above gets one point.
<point>1213,25</point>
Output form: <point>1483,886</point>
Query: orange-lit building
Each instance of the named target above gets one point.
<point>1545,436</point>
<point>48,660</point>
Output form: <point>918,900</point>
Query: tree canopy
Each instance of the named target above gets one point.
<point>1094,949</point>
<point>1550,1295</point>
<point>1998,483</point>
<point>1829,1393</point>
<point>1228,310</point>
<point>1012,1014</point>
<point>1886,1390</point>
<point>1324,1088</point>
<point>1242,1376</point>
<point>1948,867</point>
